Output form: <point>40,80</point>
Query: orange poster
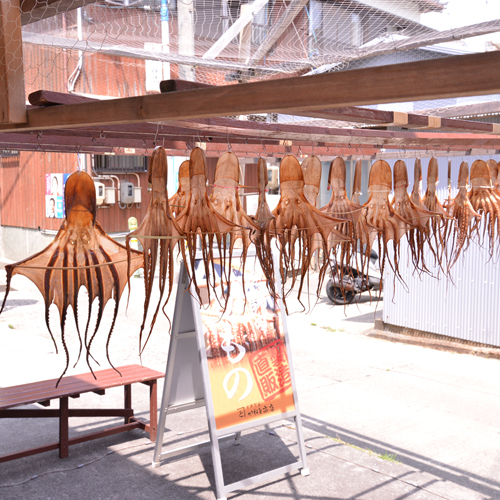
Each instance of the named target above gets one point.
<point>246,352</point>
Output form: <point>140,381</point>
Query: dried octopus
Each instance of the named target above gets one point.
<point>200,220</point>
<point>438,227</point>
<point>226,201</point>
<point>158,234</point>
<point>417,216</point>
<point>493,166</point>
<point>178,201</point>
<point>340,207</point>
<point>266,222</point>
<point>311,170</point>
<point>485,202</point>
<point>356,183</point>
<point>81,254</point>
<point>297,221</point>
<point>380,217</point>
<point>466,218</point>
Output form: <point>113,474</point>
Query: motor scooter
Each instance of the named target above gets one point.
<point>360,275</point>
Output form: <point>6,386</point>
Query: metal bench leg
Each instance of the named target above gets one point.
<point>153,410</point>
<point>63,427</point>
<point>128,400</point>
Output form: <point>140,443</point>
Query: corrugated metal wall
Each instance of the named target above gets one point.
<point>467,308</point>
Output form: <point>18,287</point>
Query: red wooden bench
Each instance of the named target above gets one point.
<point>71,387</point>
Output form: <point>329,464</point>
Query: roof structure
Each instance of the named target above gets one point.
<point>268,44</point>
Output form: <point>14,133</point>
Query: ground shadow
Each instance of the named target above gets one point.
<point>483,485</point>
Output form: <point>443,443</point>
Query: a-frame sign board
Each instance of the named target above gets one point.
<point>190,383</point>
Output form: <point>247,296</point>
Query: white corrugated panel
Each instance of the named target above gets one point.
<point>467,307</point>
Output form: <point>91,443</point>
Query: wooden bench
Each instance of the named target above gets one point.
<point>71,387</point>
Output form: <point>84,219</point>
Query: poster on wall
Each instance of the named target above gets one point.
<point>246,351</point>
<point>54,195</point>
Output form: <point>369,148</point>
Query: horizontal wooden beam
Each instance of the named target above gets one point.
<point>474,74</point>
<point>35,10</point>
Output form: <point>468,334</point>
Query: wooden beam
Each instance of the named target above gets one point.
<point>35,10</point>
<point>12,99</point>
<point>474,74</point>
<point>49,98</point>
<point>360,115</point>
<point>178,85</point>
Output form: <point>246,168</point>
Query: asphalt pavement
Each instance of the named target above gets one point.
<point>382,420</point>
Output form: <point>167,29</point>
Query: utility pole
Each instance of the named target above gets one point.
<point>185,13</point>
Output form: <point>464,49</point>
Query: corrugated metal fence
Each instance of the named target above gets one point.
<point>466,308</point>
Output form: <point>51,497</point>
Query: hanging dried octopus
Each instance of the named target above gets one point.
<point>466,218</point>
<point>178,201</point>
<point>157,232</point>
<point>493,166</point>
<point>298,221</point>
<point>311,170</point>
<point>440,226</point>
<point>356,183</point>
<point>200,220</point>
<point>380,217</point>
<point>417,216</point>
<point>266,222</point>
<point>226,201</point>
<point>340,207</point>
<point>485,202</point>
<point>81,254</point>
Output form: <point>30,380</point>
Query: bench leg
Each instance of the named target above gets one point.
<point>153,410</point>
<point>128,400</point>
<point>63,427</point>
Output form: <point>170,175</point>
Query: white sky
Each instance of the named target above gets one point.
<point>463,13</point>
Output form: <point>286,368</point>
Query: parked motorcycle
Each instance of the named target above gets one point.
<point>359,276</point>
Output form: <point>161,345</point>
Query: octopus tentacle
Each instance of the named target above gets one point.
<point>438,226</point>
<point>266,222</point>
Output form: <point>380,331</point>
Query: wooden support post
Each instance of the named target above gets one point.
<point>153,410</point>
<point>127,400</point>
<point>63,427</point>
<point>12,98</point>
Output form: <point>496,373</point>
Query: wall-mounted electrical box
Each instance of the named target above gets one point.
<point>99,192</point>
<point>137,195</point>
<point>109,195</point>
<point>126,193</point>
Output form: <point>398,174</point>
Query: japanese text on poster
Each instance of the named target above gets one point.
<point>246,352</point>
